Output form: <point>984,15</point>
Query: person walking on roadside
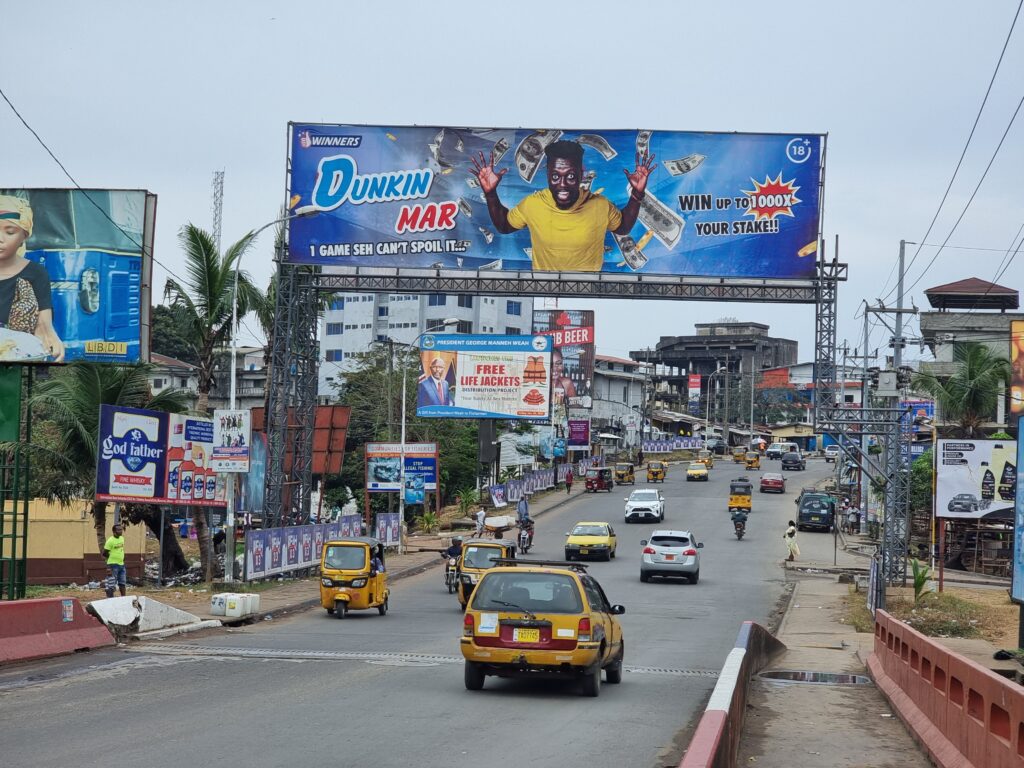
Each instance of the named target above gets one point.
<point>480,517</point>
<point>568,482</point>
<point>113,551</point>
<point>790,538</point>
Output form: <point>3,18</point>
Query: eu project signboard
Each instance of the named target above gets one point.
<point>591,200</point>
<point>484,377</point>
<point>383,467</point>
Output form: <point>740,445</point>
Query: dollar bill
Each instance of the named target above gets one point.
<point>465,207</point>
<point>684,164</point>
<point>459,146</point>
<point>599,143</point>
<point>491,265</point>
<point>488,235</point>
<point>499,149</point>
<point>643,142</point>
<point>472,182</point>
<point>666,225</point>
<point>530,152</point>
<point>588,179</point>
<point>627,246</point>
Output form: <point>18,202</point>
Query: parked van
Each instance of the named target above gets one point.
<point>775,450</point>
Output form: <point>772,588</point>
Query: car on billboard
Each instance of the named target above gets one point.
<point>964,502</point>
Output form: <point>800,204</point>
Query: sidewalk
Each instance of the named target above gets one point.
<point>287,595</point>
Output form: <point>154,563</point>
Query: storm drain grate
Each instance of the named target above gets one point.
<point>673,672</point>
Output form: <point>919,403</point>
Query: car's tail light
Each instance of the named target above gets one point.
<point>583,634</point>
<point>467,625</point>
<point>649,551</point>
<point>689,552</point>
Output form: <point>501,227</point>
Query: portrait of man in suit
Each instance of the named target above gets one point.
<point>433,390</point>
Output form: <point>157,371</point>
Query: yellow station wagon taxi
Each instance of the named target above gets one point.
<point>541,618</point>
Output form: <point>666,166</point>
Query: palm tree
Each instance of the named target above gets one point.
<point>71,401</point>
<point>969,397</point>
<point>202,301</point>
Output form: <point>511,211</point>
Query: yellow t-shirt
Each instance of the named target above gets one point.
<point>115,550</point>
<point>566,241</point>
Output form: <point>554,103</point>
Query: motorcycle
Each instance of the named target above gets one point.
<point>451,574</point>
<point>739,524</point>
<point>525,539</point>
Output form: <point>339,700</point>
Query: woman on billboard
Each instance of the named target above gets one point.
<point>26,306</point>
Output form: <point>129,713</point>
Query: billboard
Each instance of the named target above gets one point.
<point>232,436</point>
<point>383,467</point>
<point>919,414</point>
<point>1017,367</point>
<point>975,478</point>
<point>1017,588</point>
<point>484,377</point>
<point>153,457</point>
<point>579,434</point>
<point>76,266</point>
<point>612,201</point>
<point>693,394</point>
<point>572,358</point>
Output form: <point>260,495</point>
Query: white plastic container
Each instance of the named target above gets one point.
<point>254,602</point>
<point>235,606</point>
<point>218,604</point>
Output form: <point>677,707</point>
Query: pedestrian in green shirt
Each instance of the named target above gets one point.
<point>113,550</point>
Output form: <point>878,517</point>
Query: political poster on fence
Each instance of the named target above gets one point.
<point>652,202</point>
<point>78,266</point>
<point>975,478</point>
<point>484,377</point>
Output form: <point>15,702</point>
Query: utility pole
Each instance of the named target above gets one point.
<point>753,381</point>
<point>725,420</point>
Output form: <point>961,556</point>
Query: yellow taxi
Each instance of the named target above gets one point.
<point>590,540</point>
<point>697,471</point>
<point>541,618</point>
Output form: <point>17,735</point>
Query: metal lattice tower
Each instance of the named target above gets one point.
<point>280,381</point>
<point>218,206</point>
<point>826,310</point>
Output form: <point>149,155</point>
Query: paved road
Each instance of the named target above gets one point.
<point>387,691</point>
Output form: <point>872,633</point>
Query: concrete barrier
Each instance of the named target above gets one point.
<point>51,626</point>
<point>963,714</point>
<point>716,740</point>
<point>130,616</point>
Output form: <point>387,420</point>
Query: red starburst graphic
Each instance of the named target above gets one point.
<point>773,198</point>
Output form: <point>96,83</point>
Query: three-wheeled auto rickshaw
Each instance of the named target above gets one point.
<point>599,479</point>
<point>707,458</point>
<point>478,556</point>
<point>753,460</point>
<point>625,472</point>
<point>656,471</point>
<point>352,576</point>
<point>740,494</point>
<point>739,455</point>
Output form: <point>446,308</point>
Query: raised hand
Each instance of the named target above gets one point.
<point>638,178</point>
<point>484,171</point>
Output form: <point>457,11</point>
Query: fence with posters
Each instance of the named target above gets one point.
<point>712,204</point>
<point>668,446</point>
<point>89,255</point>
<point>271,551</point>
<point>975,478</point>
<point>512,491</point>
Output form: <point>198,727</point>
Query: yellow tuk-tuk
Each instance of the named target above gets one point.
<point>625,473</point>
<point>739,455</point>
<point>707,458</point>
<point>478,556</point>
<point>753,460</point>
<point>352,576</point>
<point>656,471</point>
<point>740,493</point>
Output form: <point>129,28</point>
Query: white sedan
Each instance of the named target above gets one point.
<point>645,505</point>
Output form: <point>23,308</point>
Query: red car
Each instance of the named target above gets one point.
<point>774,482</point>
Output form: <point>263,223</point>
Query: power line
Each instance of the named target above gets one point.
<point>956,170</point>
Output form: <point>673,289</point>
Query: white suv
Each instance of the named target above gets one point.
<point>645,504</point>
<point>831,453</point>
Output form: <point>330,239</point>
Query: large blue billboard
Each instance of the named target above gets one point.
<point>626,201</point>
<point>74,274</point>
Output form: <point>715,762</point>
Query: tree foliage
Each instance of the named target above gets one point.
<point>921,483</point>
<point>170,337</point>
<point>969,397</point>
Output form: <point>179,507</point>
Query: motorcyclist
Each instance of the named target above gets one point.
<point>739,516</point>
<point>455,550</point>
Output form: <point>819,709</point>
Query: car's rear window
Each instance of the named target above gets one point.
<point>794,456</point>
<point>670,541</point>
<point>533,592</point>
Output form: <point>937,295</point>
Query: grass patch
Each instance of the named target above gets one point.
<point>935,614</point>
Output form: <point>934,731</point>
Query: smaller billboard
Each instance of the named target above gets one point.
<point>693,394</point>
<point>1017,367</point>
<point>1017,588</point>
<point>579,434</point>
<point>919,414</point>
<point>484,377</point>
<point>975,478</point>
<point>383,467</point>
<point>232,435</point>
<point>572,357</point>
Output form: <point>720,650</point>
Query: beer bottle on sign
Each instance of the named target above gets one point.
<point>988,482</point>
<point>186,472</point>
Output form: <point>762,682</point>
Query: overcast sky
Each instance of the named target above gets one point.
<point>159,95</point>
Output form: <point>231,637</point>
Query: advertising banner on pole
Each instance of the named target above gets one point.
<point>975,478</point>
<point>572,356</point>
<point>383,472</point>
<point>484,377</point>
<point>232,435</point>
<point>1017,588</point>
<point>919,414</point>
<point>579,434</point>
<point>155,458</point>
<point>693,394</point>
<point>83,260</point>
<point>627,201</point>
<point>1017,367</point>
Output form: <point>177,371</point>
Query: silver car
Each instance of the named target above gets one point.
<point>670,553</point>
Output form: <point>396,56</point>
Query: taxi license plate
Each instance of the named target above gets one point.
<point>524,635</point>
<point>584,551</point>
<point>670,557</point>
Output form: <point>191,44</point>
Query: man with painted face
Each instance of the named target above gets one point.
<point>567,224</point>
